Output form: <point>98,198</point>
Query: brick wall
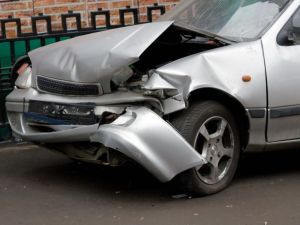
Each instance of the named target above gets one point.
<point>24,9</point>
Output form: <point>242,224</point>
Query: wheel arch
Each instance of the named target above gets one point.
<point>231,103</point>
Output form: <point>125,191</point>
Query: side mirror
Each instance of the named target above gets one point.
<point>294,36</point>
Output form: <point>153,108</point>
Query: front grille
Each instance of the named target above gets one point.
<point>60,87</point>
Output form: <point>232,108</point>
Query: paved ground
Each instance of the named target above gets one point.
<point>39,187</point>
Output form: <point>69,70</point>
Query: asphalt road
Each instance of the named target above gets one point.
<point>39,187</point>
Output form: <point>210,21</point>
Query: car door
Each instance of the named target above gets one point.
<point>282,60</point>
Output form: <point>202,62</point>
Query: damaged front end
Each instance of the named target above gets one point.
<point>100,98</point>
<point>135,131</point>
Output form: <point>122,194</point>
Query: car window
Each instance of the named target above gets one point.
<point>238,20</point>
<point>284,38</point>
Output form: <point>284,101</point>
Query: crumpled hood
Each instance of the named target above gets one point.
<point>97,57</point>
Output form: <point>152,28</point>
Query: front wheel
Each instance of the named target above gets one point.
<point>211,129</point>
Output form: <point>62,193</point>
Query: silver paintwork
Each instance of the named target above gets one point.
<point>139,136</point>
<point>119,97</point>
<point>282,67</point>
<point>219,69</point>
<point>143,134</point>
<point>105,55</point>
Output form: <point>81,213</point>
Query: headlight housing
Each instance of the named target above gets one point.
<point>24,79</point>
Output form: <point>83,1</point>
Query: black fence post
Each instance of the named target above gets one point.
<point>10,19</point>
<point>128,9</point>
<point>155,7</point>
<point>100,12</point>
<point>70,14</point>
<point>41,17</point>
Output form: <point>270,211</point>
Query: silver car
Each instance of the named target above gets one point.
<point>183,97</point>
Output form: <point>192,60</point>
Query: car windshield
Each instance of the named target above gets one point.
<point>237,20</point>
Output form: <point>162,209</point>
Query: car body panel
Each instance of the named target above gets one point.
<point>138,134</point>
<point>121,97</point>
<point>223,69</point>
<point>218,69</point>
<point>282,67</point>
<point>106,55</point>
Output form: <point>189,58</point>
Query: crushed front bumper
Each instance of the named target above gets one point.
<point>139,133</point>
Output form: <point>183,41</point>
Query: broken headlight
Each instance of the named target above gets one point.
<point>24,76</point>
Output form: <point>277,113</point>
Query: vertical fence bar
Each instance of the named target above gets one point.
<point>155,7</point>
<point>27,46</point>
<point>41,17</point>
<point>10,19</point>
<point>42,40</point>
<point>70,14</point>
<point>12,52</point>
<point>105,13</point>
<point>128,9</point>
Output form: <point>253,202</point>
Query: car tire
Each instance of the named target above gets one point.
<point>212,130</point>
